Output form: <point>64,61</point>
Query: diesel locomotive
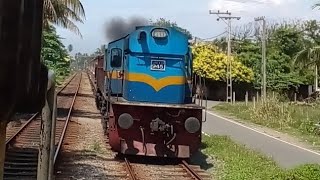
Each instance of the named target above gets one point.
<point>144,90</point>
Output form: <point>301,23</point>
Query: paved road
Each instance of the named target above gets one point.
<point>287,155</point>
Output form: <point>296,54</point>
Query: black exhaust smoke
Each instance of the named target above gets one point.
<point>118,27</point>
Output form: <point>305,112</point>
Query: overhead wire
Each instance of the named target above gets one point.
<point>205,39</point>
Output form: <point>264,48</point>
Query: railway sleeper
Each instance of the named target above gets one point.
<point>23,155</point>
<point>27,164</point>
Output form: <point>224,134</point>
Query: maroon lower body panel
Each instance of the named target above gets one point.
<point>154,131</point>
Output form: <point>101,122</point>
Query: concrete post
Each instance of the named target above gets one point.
<point>246,98</point>
<point>234,97</point>
<point>45,131</point>
<point>53,132</point>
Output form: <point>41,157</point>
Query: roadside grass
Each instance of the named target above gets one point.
<point>238,162</point>
<point>293,119</point>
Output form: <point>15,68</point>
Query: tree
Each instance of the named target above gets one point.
<point>54,53</point>
<point>167,23</point>
<point>210,63</point>
<point>288,40</point>
<point>309,57</point>
<point>284,40</point>
<point>311,30</point>
<point>63,13</point>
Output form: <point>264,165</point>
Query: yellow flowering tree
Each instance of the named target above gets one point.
<point>210,63</point>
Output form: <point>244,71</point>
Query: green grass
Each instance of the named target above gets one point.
<point>239,162</point>
<point>296,120</point>
<point>236,162</point>
<point>96,147</point>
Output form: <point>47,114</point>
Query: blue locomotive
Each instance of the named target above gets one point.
<point>144,89</point>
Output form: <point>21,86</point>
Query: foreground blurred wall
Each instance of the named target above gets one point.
<point>23,78</point>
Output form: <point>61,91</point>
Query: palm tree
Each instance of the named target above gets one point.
<point>63,13</point>
<point>307,58</point>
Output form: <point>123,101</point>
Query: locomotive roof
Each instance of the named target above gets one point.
<point>137,27</point>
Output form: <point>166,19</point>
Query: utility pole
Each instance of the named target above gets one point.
<point>229,67</point>
<point>263,64</point>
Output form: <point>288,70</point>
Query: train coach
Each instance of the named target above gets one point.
<point>144,90</point>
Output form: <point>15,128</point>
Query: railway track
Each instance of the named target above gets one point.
<point>168,171</point>
<point>22,146</point>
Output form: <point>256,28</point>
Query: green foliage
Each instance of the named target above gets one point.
<point>280,74</point>
<point>64,13</point>
<point>285,41</point>
<point>305,172</point>
<point>210,63</point>
<point>54,53</point>
<point>167,23</point>
<point>238,161</point>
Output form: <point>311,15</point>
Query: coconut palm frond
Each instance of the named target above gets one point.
<point>75,5</point>
<point>49,9</point>
<point>63,13</point>
<point>307,58</point>
<point>68,24</point>
<point>302,58</point>
<point>315,52</point>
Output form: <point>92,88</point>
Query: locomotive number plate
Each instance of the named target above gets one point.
<point>158,65</point>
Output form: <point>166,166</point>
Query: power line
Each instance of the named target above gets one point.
<point>213,36</point>
<point>229,69</point>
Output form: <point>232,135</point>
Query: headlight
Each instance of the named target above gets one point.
<point>192,125</point>
<point>125,121</point>
<point>159,33</point>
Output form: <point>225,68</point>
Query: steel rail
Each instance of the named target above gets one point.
<point>67,122</point>
<point>34,116</point>
<point>130,170</point>
<point>21,129</point>
<point>68,82</point>
<point>187,167</point>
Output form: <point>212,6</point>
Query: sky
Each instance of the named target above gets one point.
<point>189,14</point>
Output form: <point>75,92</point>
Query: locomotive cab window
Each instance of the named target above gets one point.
<point>116,58</point>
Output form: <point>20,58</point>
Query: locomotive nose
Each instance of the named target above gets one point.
<point>192,125</point>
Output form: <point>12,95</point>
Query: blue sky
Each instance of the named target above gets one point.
<point>190,14</point>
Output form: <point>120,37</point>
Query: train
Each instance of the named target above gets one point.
<point>144,90</point>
